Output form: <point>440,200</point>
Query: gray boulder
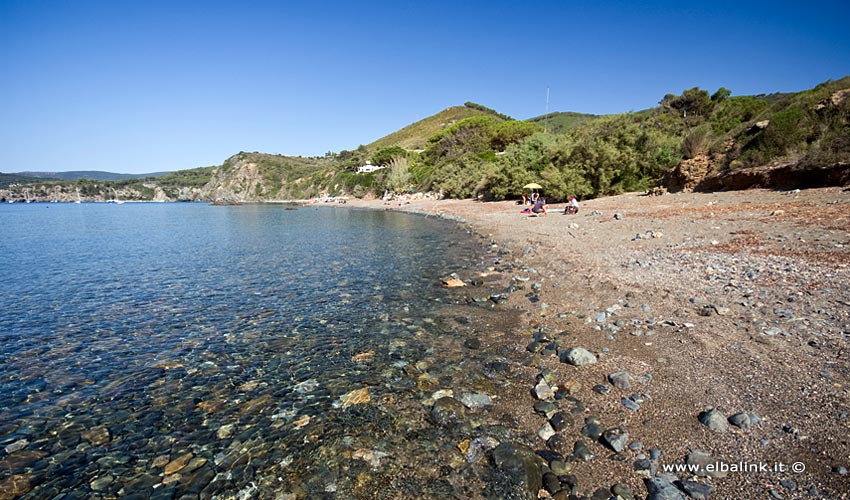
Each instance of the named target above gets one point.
<point>659,488</point>
<point>578,356</point>
<point>714,420</point>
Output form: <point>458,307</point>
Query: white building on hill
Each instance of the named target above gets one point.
<point>368,167</point>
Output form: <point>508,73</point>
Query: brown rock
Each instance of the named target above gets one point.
<point>15,486</point>
<point>355,397</point>
<point>97,436</point>
<point>177,464</point>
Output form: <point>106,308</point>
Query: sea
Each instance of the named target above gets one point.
<point>183,350</point>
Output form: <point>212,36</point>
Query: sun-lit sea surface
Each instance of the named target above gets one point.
<point>163,350</point>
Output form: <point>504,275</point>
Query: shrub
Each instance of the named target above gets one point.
<point>696,142</point>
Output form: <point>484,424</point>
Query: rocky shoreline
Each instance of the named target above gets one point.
<point>672,347</point>
<point>650,347</point>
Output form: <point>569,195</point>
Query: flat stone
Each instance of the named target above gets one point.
<point>592,428</point>
<point>101,483</point>
<point>546,408</point>
<point>15,486</point>
<point>561,467</point>
<point>622,491</point>
<point>355,397</point>
<point>695,490</point>
<point>630,404</point>
<point>621,380</point>
<point>472,343</point>
<point>558,444</point>
<point>518,472</point>
<point>177,464</point>
<point>448,412</point>
<point>551,482</point>
<point>643,467</point>
<point>20,461</point>
<point>225,431</point>
<point>20,444</point>
<point>546,431</point>
<point>578,356</point>
<point>479,446</point>
<point>706,464</point>
<point>601,389</point>
<point>616,439</point>
<point>97,436</point>
<point>659,488</point>
<point>543,392</point>
<point>476,400</point>
<point>561,421</point>
<point>740,420</point>
<point>581,451</point>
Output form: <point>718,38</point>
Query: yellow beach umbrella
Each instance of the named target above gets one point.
<point>532,185</point>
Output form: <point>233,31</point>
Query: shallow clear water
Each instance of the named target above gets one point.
<point>136,334</point>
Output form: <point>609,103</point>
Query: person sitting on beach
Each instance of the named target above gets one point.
<point>534,197</point>
<point>539,206</point>
<point>572,206</point>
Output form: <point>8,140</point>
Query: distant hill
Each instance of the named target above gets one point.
<point>561,122</point>
<point>416,135</point>
<point>8,179</point>
<point>94,175</point>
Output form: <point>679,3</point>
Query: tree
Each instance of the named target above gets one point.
<point>511,132</point>
<point>385,155</point>
<point>692,102</point>
<point>721,94</point>
<point>398,179</point>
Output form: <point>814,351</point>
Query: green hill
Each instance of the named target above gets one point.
<point>8,179</point>
<point>95,175</point>
<point>415,136</point>
<point>561,122</point>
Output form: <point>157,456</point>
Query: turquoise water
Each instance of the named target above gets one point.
<point>135,336</point>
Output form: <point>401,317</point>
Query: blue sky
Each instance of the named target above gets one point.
<point>166,85</point>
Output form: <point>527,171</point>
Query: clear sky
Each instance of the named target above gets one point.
<point>147,86</point>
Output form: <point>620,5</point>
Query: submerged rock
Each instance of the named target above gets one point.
<point>355,397</point>
<point>517,474</point>
<point>448,412</point>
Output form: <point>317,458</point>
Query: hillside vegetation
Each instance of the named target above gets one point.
<point>415,135</point>
<point>562,122</point>
<point>693,140</point>
<point>95,175</point>
<point>7,180</point>
<point>690,141</point>
<point>183,185</point>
